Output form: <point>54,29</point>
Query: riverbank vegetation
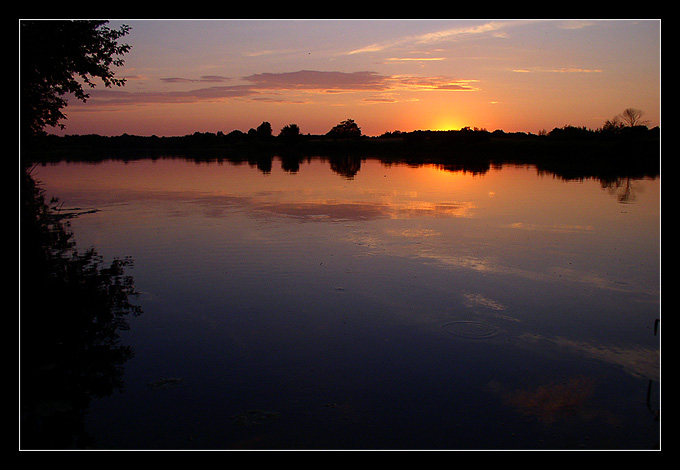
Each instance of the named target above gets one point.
<point>73,310</point>
<point>632,151</point>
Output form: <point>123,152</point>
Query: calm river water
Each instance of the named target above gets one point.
<point>386,307</point>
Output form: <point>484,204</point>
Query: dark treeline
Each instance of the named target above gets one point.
<point>88,50</point>
<point>569,152</point>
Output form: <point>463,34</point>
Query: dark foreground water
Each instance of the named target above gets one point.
<point>375,306</point>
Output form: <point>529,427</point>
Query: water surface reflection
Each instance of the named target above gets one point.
<point>354,303</point>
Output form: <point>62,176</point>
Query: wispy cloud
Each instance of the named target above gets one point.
<point>575,24</point>
<point>354,81</point>
<point>111,97</point>
<point>318,80</point>
<point>560,70</point>
<point>400,60</point>
<point>204,78</point>
<point>493,28</point>
<point>258,86</point>
<point>417,83</point>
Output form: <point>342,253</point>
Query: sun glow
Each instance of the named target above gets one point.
<point>447,124</point>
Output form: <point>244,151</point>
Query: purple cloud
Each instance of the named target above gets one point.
<point>316,80</point>
<point>267,83</point>
<point>204,78</point>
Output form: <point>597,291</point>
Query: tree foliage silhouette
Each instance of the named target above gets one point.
<point>291,130</point>
<point>345,130</point>
<point>264,130</point>
<point>632,117</point>
<point>73,309</point>
<point>56,59</point>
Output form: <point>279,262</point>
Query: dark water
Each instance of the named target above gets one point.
<point>406,307</point>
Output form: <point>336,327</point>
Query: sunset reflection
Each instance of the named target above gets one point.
<point>554,401</point>
<point>342,234</point>
<point>495,272</point>
<point>476,211</point>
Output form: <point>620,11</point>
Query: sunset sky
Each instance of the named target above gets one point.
<point>515,75</point>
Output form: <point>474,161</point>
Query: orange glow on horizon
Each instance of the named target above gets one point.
<point>510,76</point>
<point>447,123</point>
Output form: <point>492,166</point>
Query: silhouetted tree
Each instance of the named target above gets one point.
<point>290,132</point>
<point>345,130</point>
<point>632,117</point>
<point>264,130</point>
<point>55,57</point>
<point>570,132</point>
<point>73,308</point>
<point>613,125</point>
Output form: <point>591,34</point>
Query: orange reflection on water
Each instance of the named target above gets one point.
<point>553,401</point>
